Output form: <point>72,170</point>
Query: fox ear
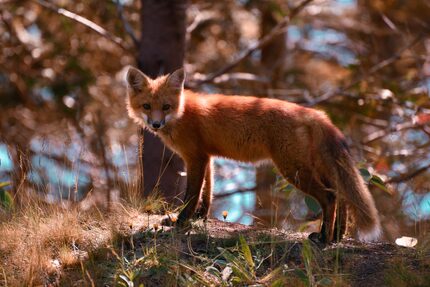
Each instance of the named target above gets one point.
<point>136,79</point>
<point>176,79</point>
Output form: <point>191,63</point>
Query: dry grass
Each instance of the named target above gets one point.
<point>45,244</point>
<point>35,243</point>
<point>39,241</point>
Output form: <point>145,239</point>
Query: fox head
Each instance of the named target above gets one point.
<point>153,103</point>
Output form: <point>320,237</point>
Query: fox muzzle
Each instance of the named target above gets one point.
<point>155,125</point>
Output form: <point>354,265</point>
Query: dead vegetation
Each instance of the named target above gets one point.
<point>49,245</point>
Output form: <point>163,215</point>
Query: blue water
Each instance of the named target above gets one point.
<point>416,206</point>
<point>5,160</point>
<point>45,94</point>
<point>326,42</point>
<point>231,176</point>
<point>47,173</point>
<point>346,3</point>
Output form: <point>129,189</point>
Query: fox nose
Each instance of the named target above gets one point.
<point>156,125</point>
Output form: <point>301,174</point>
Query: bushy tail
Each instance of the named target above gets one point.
<point>347,180</point>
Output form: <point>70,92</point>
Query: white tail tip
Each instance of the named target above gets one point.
<point>372,235</point>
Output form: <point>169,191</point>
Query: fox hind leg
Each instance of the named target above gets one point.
<point>335,212</point>
<point>341,222</point>
<point>305,181</point>
<point>327,201</point>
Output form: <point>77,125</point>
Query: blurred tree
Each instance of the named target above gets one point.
<point>54,81</point>
<point>273,62</point>
<point>161,51</point>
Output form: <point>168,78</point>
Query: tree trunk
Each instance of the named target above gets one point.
<point>273,55</point>
<point>270,206</point>
<point>162,50</point>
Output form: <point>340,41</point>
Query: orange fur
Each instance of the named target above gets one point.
<point>307,149</point>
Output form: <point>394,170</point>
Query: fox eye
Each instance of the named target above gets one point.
<point>166,107</point>
<point>146,106</point>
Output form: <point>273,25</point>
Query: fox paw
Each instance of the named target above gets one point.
<point>180,225</point>
<point>317,238</point>
<point>167,221</point>
<point>201,213</point>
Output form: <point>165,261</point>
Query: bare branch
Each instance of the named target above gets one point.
<point>84,21</point>
<point>278,29</point>
<point>382,133</point>
<point>426,129</point>
<point>127,27</point>
<point>227,194</point>
<point>200,18</point>
<point>372,71</point>
<point>408,175</point>
<point>234,76</point>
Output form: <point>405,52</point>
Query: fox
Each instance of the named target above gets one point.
<point>303,144</point>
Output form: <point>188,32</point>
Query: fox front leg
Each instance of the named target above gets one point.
<point>196,169</point>
<point>205,205</point>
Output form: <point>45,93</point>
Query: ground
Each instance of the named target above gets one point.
<point>129,248</point>
<point>357,264</point>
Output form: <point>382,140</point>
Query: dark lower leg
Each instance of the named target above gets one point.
<point>328,222</point>
<point>195,174</point>
<point>341,220</point>
<point>327,201</point>
<point>307,181</point>
<point>203,211</point>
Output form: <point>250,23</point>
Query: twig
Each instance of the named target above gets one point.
<point>84,21</point>
<point>227,194</point>
<point>100,130</point>
<point>234,76</point>
<point>409,175</point>
<point>279,28</point>
<point>382,133</point>
<point>127,27</point>
<point>199,19</point>
<point>141,170</point>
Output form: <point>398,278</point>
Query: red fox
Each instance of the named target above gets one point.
<point>306,148</point>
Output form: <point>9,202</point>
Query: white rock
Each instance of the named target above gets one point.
<point>406,241</point>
